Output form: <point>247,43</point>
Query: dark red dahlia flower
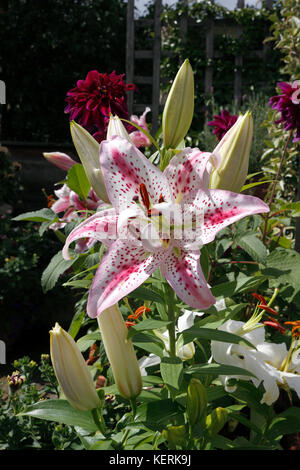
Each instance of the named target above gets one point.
<point>222,123</point>
<point>288,104</point>
<point>92,101</point>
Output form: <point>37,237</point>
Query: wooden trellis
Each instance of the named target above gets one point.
<point>212,28</point>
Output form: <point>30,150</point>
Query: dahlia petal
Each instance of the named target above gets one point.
<point>183,273</point>
<point>101,226</point>
<point>124,169</point>
<point>186,171</point>
<point>123,268</point>
<point>216,209</point>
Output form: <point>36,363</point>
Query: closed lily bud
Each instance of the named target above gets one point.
<point>71,371</point>
<point>196,402</point>
<point>230,158</point>
<point>179,108</point>
<point>116,127</point>
<point>88,151</point>
<point>61,160</point>
<point>120,352</point>
<point>216,420</point>
<point>175,435</point>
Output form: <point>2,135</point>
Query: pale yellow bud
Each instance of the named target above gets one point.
<point>230,159</point>
<point>120,352</point>
<point>179,107</point>
<point>196,401</point>
<point>116,127</point>
<point>88,151</point>
<point>71,371</point>
<point>216,420</point>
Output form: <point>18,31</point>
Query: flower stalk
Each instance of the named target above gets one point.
<point>276,181</point>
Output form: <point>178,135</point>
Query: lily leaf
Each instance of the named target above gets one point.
<point>62,412</point>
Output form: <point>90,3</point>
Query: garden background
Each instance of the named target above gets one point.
<point>47,46</point>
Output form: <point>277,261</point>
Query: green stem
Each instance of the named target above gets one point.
<point>98,419</point>
<point>133,407</point>
<point>276,181</point>
<point>170,307</point>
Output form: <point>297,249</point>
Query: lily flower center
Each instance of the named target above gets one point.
<point>151,222</point>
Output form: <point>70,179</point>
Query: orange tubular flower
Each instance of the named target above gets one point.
<point>296,327</point>
<point>139,311</point>
<point>130,323</point>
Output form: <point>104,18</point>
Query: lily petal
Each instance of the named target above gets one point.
<point>186,172</point>
<point>184,274</point>
<point>124,267</point>
<point>124,169</point>
<point>101,226</point>
<point>219,208</point>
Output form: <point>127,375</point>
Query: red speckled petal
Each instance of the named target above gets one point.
<point>124,267</point>
<point>186,172</point>
<point>124,168</point>
<point>184,274</point>
<point>216,209</point>
<point>101,226</point>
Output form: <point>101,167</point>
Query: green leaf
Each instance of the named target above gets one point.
<point>288,262</point>
<point>77,181</point>
<point>156,415</point>
<point>225,289</point>
<point>87,341</point>
<point>62,412</point>
<point>148,324</point>
<point>143,293</point>
<point>287,422</point>
<point>149,343</point>
<point>106,444</point>
<point>171,369</point>
<point>76,323</point>
<point>217,369</point>
<point>216,335</point>
<point>57,266</point>
<point>251,185</point>
<point>254,247</point>
<point>42,215</point>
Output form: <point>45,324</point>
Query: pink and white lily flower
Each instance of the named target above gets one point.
<point>157,220</point>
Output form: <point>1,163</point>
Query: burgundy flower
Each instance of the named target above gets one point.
<point>288,104</point>
<point>92,101</point>
<point>222,123</point>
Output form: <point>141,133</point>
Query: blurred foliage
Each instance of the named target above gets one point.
<point>23,257</point>
<point>258,74</point>
<point>285,31</point>
<point>21,432</point>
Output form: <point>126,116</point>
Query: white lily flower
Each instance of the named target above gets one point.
<point>272,364</point>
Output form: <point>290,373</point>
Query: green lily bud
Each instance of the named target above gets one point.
<point>175,435</point>
<point>196,402</point>
<point>230,158</point>
<point>116,127</point>
<point>88,151</point>
<point>71,371</point>
<point>179,107</point>
<point>216,420</point>
<point>120,352</point>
